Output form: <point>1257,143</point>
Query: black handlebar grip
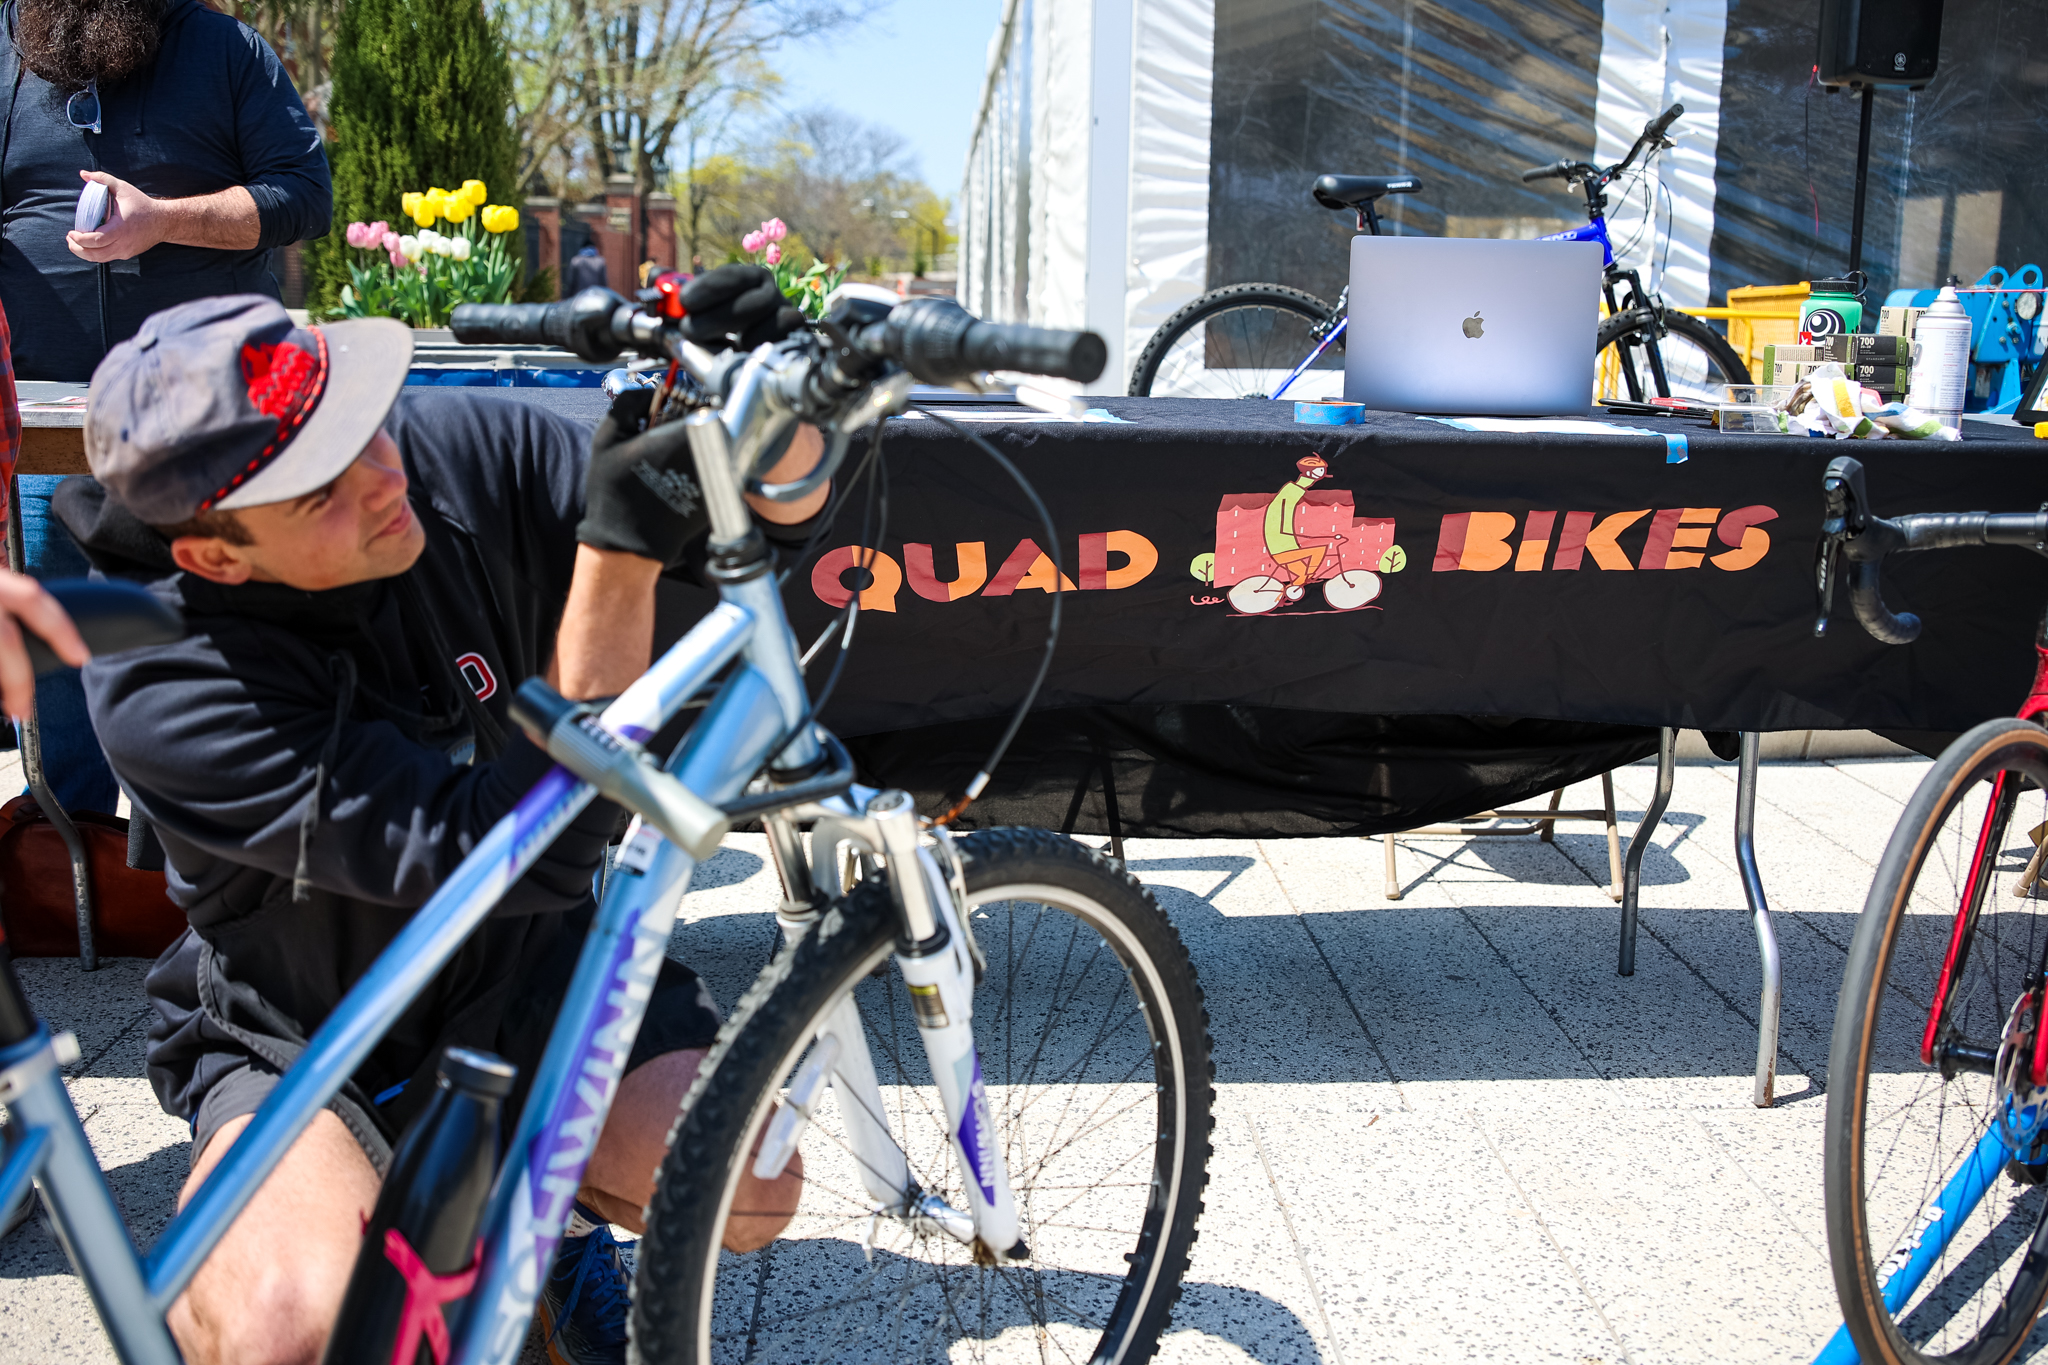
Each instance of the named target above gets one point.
<point>510,324</point>
<point>582,324</point>
<point>1875,617</point>
<point>940,342</point>
<point>1663,121</point>
<point>1535,173</point>
<point>110,616</point>
<point>1034,350</point>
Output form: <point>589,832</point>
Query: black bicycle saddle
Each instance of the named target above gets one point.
<point>1349,191</point>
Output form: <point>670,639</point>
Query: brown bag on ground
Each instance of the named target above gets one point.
<point>132,916</point>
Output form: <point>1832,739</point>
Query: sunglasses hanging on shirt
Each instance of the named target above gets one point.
<point>83,108</point>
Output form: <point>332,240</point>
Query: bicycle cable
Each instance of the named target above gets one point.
<point>1052,630</point>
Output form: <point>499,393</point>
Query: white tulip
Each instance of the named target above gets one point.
<point>460,247</point>
<point>410,247</point>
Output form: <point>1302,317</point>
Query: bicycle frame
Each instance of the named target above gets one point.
<point>758,714</point>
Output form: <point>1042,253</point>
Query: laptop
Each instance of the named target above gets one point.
<point>1472,326</point>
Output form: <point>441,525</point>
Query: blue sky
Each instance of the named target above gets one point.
<point>915,68</point>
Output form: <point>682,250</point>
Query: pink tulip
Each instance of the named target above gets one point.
<point>389,241</point>
<point>355,234</point>
<point>752,242</point>
<point>774,256</point>
<point>774,230</point>
<point>377,230</point>
<point>397,258</point>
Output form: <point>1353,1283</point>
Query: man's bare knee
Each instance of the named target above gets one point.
<point>269,1293</point>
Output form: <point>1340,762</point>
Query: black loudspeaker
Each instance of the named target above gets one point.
<point>1879,42</point>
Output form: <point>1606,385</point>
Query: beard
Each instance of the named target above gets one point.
<point>72,43</point>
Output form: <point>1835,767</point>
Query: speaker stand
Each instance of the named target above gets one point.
<point>1862,182</point>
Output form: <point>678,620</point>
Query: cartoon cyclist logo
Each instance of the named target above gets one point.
<point>1272,548</point>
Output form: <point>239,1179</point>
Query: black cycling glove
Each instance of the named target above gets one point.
<point>737,301</point>
<point>640,494</point>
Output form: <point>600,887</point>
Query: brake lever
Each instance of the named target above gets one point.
<point>1843,521</point>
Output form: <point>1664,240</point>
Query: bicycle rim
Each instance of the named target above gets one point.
<point>1245,350</point>
<point>1900,1130</point>
<point>1084,1053</point>
<point>1693,369</point>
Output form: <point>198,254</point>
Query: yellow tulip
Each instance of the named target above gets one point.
<point>426,212</point>
<point>500,218</point>
<point>408,201</point>
<point>474,192</point>
<point>437,191</point>
<point>458,208</point>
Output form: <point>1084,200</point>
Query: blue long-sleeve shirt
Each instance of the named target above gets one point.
<point>215,110</point>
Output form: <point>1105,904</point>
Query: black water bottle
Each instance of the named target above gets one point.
<point>419,1252</point>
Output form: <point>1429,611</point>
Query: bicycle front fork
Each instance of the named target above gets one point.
<point>936,953</point>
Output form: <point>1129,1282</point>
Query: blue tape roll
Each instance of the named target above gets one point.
<point>1330,414</point>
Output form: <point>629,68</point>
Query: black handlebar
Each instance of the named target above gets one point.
<point>935,339</point>
<point>1655,127</point>
<point>1557,169</point>
<point>110,617</point>
<point>584,324</point>
<point>940,342</point>
<point>1851,532</point>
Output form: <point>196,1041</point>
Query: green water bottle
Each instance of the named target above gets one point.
<point>1834,308</point>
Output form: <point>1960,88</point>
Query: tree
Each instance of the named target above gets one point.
<point>606,86</point>
<point>422,96</point>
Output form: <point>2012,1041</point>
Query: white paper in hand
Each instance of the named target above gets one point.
<point>93,203</point>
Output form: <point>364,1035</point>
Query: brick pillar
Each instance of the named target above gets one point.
<point>622,236</point>
<point>543,220</point>
<point>661,230</point>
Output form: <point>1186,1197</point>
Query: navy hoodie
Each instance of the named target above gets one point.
<point>214,110</point>
<point>368,699</point>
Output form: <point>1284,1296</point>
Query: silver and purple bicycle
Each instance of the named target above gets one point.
<point>991,1051</point>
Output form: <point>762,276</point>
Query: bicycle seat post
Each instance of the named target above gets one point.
<point>1368,221</point>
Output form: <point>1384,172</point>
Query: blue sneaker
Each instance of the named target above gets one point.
<point>586,1300</point>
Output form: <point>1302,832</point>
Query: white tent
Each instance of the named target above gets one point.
<point>1086,201</point>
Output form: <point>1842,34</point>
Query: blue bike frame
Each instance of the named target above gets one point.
<point>749,720</point>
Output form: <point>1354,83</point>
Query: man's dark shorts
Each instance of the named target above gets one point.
<point>680,1015</point>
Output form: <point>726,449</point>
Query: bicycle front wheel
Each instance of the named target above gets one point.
<point>1940,997</point>
<point>1698,363</point>
<point>1094,1050</point>
<point>1240,342</point>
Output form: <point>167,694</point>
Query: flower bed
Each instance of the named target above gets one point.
<point>421,276</point>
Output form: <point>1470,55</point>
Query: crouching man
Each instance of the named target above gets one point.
<point>367,579</point>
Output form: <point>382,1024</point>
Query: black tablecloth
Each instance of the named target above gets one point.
<point>1562,596</point>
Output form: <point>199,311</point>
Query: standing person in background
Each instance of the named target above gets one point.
<point>187,121</point>
<point>586,270</point>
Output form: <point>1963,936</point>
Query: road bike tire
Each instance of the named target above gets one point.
<point>695,1303</point>
<point>1898,1128</point>
<point>1697,367</point>
<point>1235,342</point>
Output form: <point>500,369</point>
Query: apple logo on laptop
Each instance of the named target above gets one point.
<point>1474,327</point>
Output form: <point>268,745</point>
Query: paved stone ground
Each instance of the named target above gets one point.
<point>1446,1129</point>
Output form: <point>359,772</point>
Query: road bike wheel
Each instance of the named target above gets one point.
<point>1900,1128</point>
<point>1352,589</point>
<point>1240,342</point>
<point>1094,1049</point>
<point>1698,362</point>
<point>1255,595</point>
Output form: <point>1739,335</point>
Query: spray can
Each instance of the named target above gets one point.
<point>1941,359</point>
<point>419,1251</point>
<point>1834,308</point>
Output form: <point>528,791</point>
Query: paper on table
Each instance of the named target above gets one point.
<point>1562,426</point>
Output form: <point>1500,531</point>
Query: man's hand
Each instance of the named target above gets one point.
<point>225,221</point>
<point>740,301</point>
<point>22,597</point>
<point>640,494</point>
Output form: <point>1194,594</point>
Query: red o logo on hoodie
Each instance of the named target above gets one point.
<point>478,675</point>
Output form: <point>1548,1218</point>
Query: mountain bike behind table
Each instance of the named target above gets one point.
<point>1936,1140</point>
<point>1273,341</point>
<point>991,1056</point>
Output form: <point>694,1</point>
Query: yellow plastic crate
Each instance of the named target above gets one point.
<point>1749,336</point>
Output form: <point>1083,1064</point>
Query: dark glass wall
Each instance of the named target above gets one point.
<point>1958,171</point>
<point>1465,95</point>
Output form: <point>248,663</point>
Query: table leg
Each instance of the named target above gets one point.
<point>1394,878</point>
<point>1632,868</point>
<point>38,783</point>
<point>1760,916</point>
